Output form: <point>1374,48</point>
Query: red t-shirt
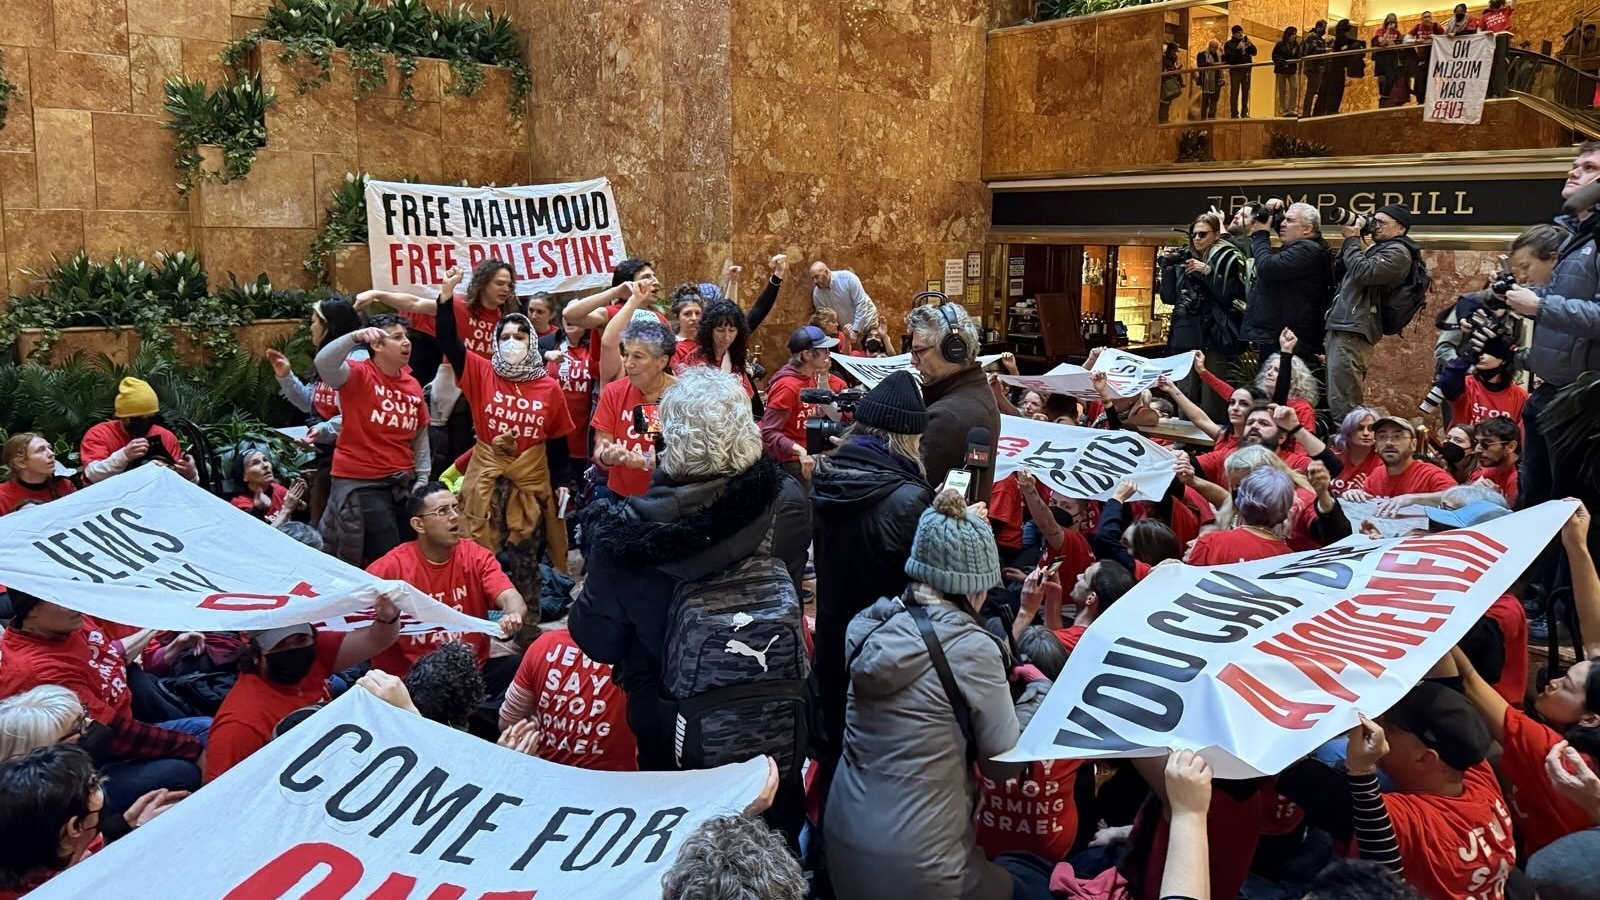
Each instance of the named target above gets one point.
<point>680,354</point>
<point>1212,470</point>
<point>1542,814</point>
<point>1070,636</point>
<point>14,492</point>
<point>1301,515</point>
<point>1235,545</point>
<point>107,438</point>
<point>1455,848</point>
<point>784,394</point>
<point>87,662</point>
<point>1075,554</point>
<point>1354,477</point>
<point>381,416</point>
<point>582,713</point>
<point>1495,19</point>
<point>324,400</point>
<point>1031,814</point>
<point>247,502</point>
<point>1233,829</point>
<point>1417,477</point>
<point>613,415</point>
<point>577,383</point>
<point>1477,403</point>
<point>255,705</point>
<point>475,327</point>
<point>1504,478</point>
<point>534,410</point>
<point>1006,512</point>
<point>1507,612</point>
<point>469,581</point>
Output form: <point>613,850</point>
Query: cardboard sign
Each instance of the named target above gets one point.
<point>1256,664</point>
<point>363,801</point>
<point>557,237</point>
<point>1087,463</point>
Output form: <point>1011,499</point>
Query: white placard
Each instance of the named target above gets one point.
<point>869,371</point>
<point>1458,78</point>
<point>1127,375</point>
<point>1087,463</point>
<point>955,271</point>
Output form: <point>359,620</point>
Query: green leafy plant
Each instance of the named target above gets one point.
<point>1066,9</point>
<point>1282,145</point>
<point>7,88</point>
<point>233,116</point>
<point>346,222</point>
<point>1194,145</point>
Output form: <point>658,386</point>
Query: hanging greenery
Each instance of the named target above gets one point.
<point>1282,145</point>
<point>1066,9</point>
<point>1194,145</point>
<point>408,29</point>
<point>7,88</point>
<point>234,117</point>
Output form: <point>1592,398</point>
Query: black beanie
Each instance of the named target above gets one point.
<point>21,605</point>
<point>895,405</point>
<point>1397,212</point>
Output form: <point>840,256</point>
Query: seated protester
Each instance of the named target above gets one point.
<point>828,320</point>
<point>1061,524</point>
<point>898,814</point>
<point>445,686</point>
<point>31,475</point>
<point>260,494</point>
<point>383,446</point>
<point>1314,518</point>
<point>1139,546</point>
<point>783,425</point>
<point>1445,828</point>
<point>1100,585</point>
<point>1358,879</point>
<point>132,438</point>
<point>1261,507</point>
<point>1117,413</point>
<point>1497,644</point>
<point>629,457</point>
<point>47,644</point>
<point>1455,454</point>
<point>285,669</point>
<point>1240,402</point>
<point>1034,812</point>
<point>1402,477</point>
<point>1485,389</point>
<point>1262,429</point>
<point>38,717</point>
<point>1354,444</point>
<point>459,573</point>
<point>578,707</point>
<point>733,858</point>
<point>1300,391</point>
<point>1496,442</point>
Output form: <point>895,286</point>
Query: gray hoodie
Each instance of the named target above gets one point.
<point>899,813</point>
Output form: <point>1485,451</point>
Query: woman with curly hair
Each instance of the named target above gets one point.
<point>446,686</point>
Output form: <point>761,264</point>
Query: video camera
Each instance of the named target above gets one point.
<point>820,428</point>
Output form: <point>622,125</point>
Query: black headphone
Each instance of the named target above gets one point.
<point>953,347</point>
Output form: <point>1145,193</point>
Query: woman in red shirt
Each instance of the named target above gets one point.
<point>332,318</point>
<point>1261,506</point>
<point>629,456</point>
<point>688,305</point>
<point>259,492</point>
<point>575,374</point>
<point>541,311</point>
<point>1353,444</point>
<point>722,342</point>
<point>32,464</point>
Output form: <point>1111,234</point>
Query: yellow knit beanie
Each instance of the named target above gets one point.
<point>136,398</point>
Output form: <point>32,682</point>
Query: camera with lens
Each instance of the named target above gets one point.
<point>1483,329</point>
<point>1174,256</point>
<point>820,428</point>
<point>1339,215</point>
<point>1272,215</point>
<point>1498,288</point>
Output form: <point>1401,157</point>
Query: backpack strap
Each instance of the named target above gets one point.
<point>952,692</point>
<point>765,548</point>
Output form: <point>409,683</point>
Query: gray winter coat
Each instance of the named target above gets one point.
<point>899,814</point>
<point>1566,332</point>
<point>1368,274</point>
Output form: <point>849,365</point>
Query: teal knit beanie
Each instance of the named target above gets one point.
<point>953,551</point>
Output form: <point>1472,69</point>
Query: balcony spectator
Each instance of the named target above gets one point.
<point>1391,65</point>
<point>1239,53</point>
<point>1171,82</point>
<point>1314,45</point>
<point>1285,66</point>
<point>1209,62</point>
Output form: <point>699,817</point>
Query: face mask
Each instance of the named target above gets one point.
<point>513,351</point>
<point>290,666</point>
<point>1452,453</point>
<point>140,425</point>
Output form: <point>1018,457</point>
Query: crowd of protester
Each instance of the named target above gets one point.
<point>768,568</point>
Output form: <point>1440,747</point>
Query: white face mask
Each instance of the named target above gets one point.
<point>513,351</point>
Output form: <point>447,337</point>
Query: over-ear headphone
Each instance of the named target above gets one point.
<point>952,347</point>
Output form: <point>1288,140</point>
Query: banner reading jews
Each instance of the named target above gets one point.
<point>365,801</point>
<point>147,548</point>
<point>871,370</point>
<point>1127,375</point>
<point>1258,663</point>
<point>557,237</point>
<point>1087,463</point>
<point>1458,78</point>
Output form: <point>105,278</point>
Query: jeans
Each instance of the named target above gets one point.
<point>1348,355</point>
<point>127,781</point>
<point>1239,86</point>
<point>1288,94</point>
<point>1208,104</point>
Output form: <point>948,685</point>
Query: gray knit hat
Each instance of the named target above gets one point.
<point>953,551</point>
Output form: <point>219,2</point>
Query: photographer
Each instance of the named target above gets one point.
<point>944,351</point>
<point>1532,260</point>
<point>1293,283</point>
<point>1204,284</point>
<point>1368,277</point>
<point>783,424</point>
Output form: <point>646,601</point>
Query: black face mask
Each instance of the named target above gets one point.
<point>139,426</point>
<point>1452,453</point>
<point>96,741</point>
<point>289,666</point>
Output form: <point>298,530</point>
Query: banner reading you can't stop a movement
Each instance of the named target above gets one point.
<point>1258,663</point>
<point>557,237</point>
<point>364,801</point>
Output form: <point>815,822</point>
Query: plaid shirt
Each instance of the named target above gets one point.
<point>137,740</point>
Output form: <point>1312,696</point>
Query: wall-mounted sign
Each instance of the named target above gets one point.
<point>955,271</point>
<point>974,265</point>
<point>935,284</point>
<point>1016,261</point>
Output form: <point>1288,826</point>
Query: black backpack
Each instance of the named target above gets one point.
<point>735,666</point>
<point>1402,304</point>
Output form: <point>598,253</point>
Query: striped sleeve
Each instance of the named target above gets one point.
<point>1374,832</point>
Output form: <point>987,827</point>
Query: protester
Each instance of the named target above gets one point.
<point>1353,444</point>
<point>1261,504</point>
<point>331,319</point>
<point>382,447</point>
<point>628,455</point>
<point>733,858</point>
<point>1395,440</point>
<point>944,351</point>
<point>1300,390</point>
<point>574,372</point>
<point>1495,443</point>
<point>1100,585</point>
<point>1261,429</point>
<point>446,686</point>
<point>576,704</point>
<point>259,492</point>
<point>30,472</point>
<point>133,438</point>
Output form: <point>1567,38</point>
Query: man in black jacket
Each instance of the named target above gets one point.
<point>866,501</point>
<point>1294,283</point>
<point>1238,53</point>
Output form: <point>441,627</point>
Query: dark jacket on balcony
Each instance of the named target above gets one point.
<point>1292,288</point>
<point>1284,55</point>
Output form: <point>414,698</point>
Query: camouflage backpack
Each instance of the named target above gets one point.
<point>735,665</point>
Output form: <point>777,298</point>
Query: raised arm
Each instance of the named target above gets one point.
<point>611,338</point>
<point>1188,870</point>
<point>1191,411</point>
<point>399,302</point>
<point>455,352</point>
<point>1585,583</point>
<point>364,643</point>
<point>590,312</point>
<point>1039,511</point>
<point>1481,694</point>
<point>332,362</point>
<point>297,392</point>
<point>1365,745</point>
<point>778,266</point>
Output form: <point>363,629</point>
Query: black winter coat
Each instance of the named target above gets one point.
<point>642,547</point>
<point>957,404</point>
<point>865,509</point>
<point>1293,288</point>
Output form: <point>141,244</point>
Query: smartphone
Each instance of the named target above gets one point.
<point>647,419</point>
<point>959,479</point>
<point>1053,569</point>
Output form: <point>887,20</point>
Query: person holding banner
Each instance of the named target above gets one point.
<point>1261,506</point>
<point>31,472</point>
<point>1402,476</point>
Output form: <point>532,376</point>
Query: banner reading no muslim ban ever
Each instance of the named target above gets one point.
<point>1458,78</point>
<point>147,548</point>
<point>1258,663</point>
<point>363,801</point>
<point>557,237</point>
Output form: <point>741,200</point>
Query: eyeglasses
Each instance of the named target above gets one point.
<point>1487,444</point>
<point>79,728</point>
<point>916,353</point>
<point>445,511</point>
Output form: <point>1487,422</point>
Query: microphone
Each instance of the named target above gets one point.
<point>980,455</point>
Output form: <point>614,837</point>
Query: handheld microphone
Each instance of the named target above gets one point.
<point>980,454</point>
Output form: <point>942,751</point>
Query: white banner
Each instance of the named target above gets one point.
<point>1458,78</point>
<point>365,801</point>
<point>1087,463</point>
<point>147,548</point>
<point>869,371</point>
<point>1127,375</point>
<point>1256,664</point>
<point>557,237</point>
